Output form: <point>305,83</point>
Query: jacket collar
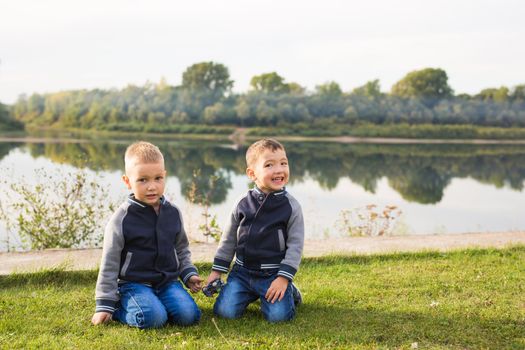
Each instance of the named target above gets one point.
<point>132,200</point>
<point>258,193</point>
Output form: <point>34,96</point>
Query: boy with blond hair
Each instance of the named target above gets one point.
<point>266,234</point>
<point>145,252</point>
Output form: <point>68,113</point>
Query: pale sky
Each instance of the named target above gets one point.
<point>53,45</point>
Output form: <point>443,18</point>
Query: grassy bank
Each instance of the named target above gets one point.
<point>316,131</point>
<point>199,132</point>
<point>466,299</point>
<point>416,131</point>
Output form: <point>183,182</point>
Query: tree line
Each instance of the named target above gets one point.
<point>7,122</point>
<point>205,97</point>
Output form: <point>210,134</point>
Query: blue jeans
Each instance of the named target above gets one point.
<point>245,286</point>
<point>146,307</point>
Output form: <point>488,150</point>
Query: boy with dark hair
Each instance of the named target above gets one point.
<point>266,234</point>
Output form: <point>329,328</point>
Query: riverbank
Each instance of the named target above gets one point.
<point>86,259</point>
<point>241,135</point>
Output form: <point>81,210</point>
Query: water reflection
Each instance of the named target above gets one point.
<point>419,173</point>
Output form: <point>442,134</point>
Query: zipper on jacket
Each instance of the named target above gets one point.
<point>253,221</point>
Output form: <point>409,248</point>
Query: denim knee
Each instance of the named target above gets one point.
<point>139,307</point>
<point>151,318</point>
<point>226,310</point>
<point>182,309</point>
<point>279,311</point>
<point>188,316</point>
<point>278,314</point>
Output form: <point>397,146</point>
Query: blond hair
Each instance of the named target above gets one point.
<point>142,152</point>
<point>258,147</point>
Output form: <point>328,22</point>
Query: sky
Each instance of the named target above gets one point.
<point>54,45</point>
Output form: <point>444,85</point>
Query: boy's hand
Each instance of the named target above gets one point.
<point>276,290</point>
<point>195,283</point>
<point>100,317</point>
<point>213,276</point>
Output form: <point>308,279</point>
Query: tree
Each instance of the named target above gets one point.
<point>328,101</point>
<point>6,121</point>
<point>302,113</point>
<point>329,89</point>
<point>218,114</point>
<point>518,93</point>
<point>265,114</point>
<point>371,89</point>
<point>296,89</point>
<point>4,115</point>
<point>207,77</point>
<point>428,83</point>
<point>269,83</point>
<point>203,84</point>
<point>243,111</point>
<point>494,95</point>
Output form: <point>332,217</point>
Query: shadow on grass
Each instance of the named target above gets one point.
<point>334,326</point>
<point>59,275</point>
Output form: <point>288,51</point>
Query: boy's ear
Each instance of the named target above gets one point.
<point>126,181</point>
<point>251,174</point>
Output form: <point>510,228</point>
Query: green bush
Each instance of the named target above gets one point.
<point>61,211</point>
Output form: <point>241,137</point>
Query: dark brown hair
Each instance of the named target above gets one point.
<point>259,147</point>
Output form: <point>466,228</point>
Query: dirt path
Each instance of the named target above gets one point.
<point>240,136</point>
<point>89,258</point>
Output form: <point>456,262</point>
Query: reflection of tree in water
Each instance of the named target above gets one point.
<point>419,173</point>
<point>424,186</point>
<point>6,147</point>
<point>365,171</point>
<point>325,171</point>
<point>181,160</point>
<point>496,170</point>
<point>210,161</point>
<point>95,156</point>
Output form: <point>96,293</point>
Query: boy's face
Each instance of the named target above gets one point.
<point>146,181</point>
<point>270,170</point>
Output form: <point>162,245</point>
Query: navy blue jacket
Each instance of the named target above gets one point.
<point>265,232</point>
<point>141,246</point>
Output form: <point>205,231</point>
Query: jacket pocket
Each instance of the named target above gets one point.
<point>269,242</point>
<point>125,266</point>
<point>282,244</point>
<point>176,259</point>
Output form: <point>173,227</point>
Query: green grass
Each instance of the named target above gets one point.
<point>316,131</point>
<point>470,299</point>
<point>399,130</point>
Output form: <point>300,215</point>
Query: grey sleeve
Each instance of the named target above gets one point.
<point>294,242</point>
<point>106,292</point>
<point>228,242</point>
<point>183,253</point>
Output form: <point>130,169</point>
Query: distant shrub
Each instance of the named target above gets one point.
<point>61,211</point>
<point>370,220</point>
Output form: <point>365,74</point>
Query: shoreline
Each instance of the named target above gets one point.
<point>87,259</point>
<point>339,139</point>
<point>239,136</point>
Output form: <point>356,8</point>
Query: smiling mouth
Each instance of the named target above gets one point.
<point>278,179</point>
